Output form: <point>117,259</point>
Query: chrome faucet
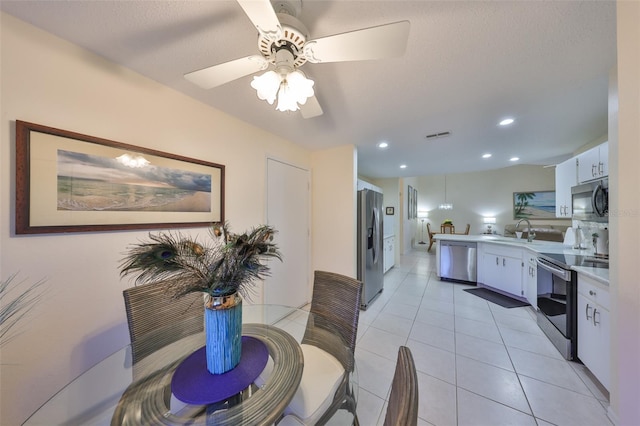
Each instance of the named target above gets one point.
<point>530,235</point>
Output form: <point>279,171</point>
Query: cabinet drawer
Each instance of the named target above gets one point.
<point>501,250</point>
<point>593,290</point>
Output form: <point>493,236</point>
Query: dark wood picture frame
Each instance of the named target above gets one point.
<point>390,211</point>
<point>105,191</point>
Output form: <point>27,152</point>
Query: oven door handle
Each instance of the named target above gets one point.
<point>546,265</point>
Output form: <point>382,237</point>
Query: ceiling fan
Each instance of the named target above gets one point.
<point>283,42</point>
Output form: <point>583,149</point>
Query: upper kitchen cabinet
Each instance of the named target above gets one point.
<point>594,163</point>
<point>566,177</point>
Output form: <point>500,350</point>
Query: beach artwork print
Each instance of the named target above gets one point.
<point>88,182</point>
<point>534,205</point>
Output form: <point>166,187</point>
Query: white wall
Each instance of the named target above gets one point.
<point>334,180</point>
<point>478,194</point>
<point>409,230</point>
<point>81,319</point>
<point>624,153</point>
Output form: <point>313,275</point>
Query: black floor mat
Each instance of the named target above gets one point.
<point>551,307</point>
<point>497,298</point>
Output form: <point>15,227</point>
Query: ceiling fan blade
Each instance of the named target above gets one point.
<point>384,41</point>
<point>217,75</point>
<point>262,15</point>
<point>311,108</point>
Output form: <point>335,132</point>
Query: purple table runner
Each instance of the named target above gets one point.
<point>193,384</point>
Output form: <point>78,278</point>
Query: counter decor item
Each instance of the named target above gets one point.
<point>447,222</point>
<point>224,268</point>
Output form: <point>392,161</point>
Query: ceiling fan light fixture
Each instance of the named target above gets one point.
<point>267,86</point>
<point>291,90</point>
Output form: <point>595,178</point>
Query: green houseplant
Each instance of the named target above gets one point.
<point>223,268</point>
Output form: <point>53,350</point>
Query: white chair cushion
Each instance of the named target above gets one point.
<point>290,420</point>
<point>320,379</point>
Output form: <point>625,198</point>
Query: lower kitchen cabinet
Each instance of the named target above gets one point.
<point>501,268</point>
<point>389,257</point>
<point>594,327</point>
<point>530,280</point>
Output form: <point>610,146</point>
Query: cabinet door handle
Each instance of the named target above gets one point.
<point>592,293</point>
<point>497,261</point>
<point>601,168</point>
<point>595,311</point>
<point>594,170</point>
<point>586,312</point>
<point>504,261</point>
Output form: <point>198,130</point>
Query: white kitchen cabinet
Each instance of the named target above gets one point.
<point>594,327</point>
<point>530,278</point>
<point>389,257</point>
<point>594,163</point>
<point>566,177</point>
<point>501,268</point>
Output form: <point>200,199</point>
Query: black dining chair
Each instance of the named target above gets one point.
<point>156,320</point>
<point>328,345</point>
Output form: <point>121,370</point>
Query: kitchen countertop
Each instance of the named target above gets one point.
<point>599,274</point>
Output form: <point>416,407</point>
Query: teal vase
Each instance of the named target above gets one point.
<point>223,331</point>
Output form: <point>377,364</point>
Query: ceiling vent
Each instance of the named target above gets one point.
<point>438,135</point>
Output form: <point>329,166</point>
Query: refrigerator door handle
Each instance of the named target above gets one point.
<point>376,237</point>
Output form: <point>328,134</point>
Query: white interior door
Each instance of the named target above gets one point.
<point>288,213</point>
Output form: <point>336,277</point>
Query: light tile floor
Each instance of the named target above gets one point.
<point>478,363</point>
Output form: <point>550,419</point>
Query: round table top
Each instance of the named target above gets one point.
<point>116,392</point>
<point>145,402</point>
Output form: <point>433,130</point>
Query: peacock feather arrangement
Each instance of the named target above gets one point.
<point>15,305</point>
<point>224,264</point>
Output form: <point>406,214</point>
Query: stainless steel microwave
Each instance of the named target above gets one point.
<point>590,201</point>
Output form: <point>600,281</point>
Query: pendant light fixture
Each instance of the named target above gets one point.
<point>445,205</point>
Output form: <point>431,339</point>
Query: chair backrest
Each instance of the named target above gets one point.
<point>466,231</point>
<point>156,320</point>
<point>429,230</point>
<point>447,228</point>
<point>335,305</point>
<point>403,400</point>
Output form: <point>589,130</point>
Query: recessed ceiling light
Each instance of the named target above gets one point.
<point>506,121</point>
<point>486,155</point>
<point>383,145</point>
<point>514,158</point>
<point>403,166</point>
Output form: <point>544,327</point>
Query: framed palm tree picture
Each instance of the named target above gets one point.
<point>534,205</point>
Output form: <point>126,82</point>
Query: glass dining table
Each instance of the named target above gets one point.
<point>115,392</point>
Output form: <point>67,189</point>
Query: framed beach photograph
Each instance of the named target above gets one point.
<point>534,205</point>
<point>70,182</point>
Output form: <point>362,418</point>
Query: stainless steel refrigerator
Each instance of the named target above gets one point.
<point>370,248</point>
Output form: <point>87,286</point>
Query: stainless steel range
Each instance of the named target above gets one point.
<point>557,298</point>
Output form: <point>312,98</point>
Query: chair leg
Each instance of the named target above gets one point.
<point>430,244</point>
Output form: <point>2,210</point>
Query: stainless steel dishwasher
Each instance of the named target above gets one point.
<point>458,261</point>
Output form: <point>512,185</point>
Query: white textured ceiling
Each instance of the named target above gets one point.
<point>467,65</point>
